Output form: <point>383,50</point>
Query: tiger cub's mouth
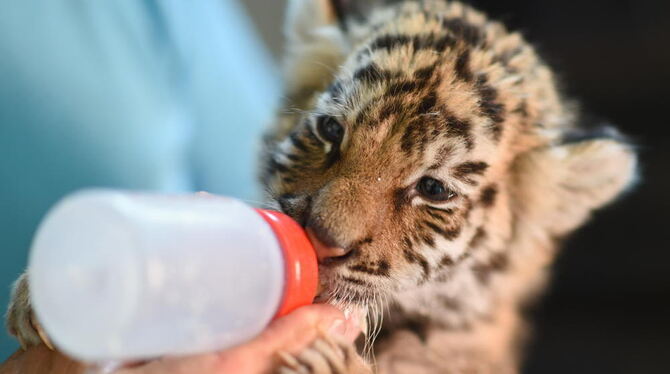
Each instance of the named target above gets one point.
<point>352,299</point>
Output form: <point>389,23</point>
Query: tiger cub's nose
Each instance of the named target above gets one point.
<point>327,250</point>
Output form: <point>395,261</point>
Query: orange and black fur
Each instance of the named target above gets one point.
<point>431,147</point>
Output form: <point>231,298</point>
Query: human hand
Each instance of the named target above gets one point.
<point>289,334</point>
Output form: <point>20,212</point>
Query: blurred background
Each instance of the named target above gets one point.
<point>608,308</point>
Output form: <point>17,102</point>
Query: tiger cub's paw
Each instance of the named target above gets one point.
<point>20,319</point>
<point>326,355</point>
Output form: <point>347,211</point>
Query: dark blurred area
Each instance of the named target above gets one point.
<point>608,307</point>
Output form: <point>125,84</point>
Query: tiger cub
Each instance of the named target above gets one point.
<point>429,151</point>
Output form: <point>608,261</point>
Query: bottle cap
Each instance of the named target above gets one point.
<point>300,264</point>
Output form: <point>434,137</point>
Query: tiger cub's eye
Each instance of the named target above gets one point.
<point>329,129</point>
<point>433,189</point>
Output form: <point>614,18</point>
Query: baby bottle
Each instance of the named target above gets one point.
<point>130,276</point>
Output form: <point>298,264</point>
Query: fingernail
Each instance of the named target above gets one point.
<point>338,327</point>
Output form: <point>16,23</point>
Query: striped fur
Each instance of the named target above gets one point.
<point>426,90</point>
<point>433,88</point>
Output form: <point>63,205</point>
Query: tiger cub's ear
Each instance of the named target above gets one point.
<point>315,45</point>
<point>305,17</point>
<point>557,187</point>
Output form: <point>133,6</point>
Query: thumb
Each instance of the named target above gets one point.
<point>297,329</point>
<point>290,333</point>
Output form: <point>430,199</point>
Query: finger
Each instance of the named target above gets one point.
<point>290,333</point>
<point>299,328</point>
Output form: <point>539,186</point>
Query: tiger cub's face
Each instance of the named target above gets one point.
<point>424,137</point>
<point>395,165</point>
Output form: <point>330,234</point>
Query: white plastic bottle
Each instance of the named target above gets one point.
<point>127,276</point>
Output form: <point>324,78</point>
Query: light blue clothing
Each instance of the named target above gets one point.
<point>165,95</point>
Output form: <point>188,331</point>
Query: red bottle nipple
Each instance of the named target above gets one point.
<point>300,264</point>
